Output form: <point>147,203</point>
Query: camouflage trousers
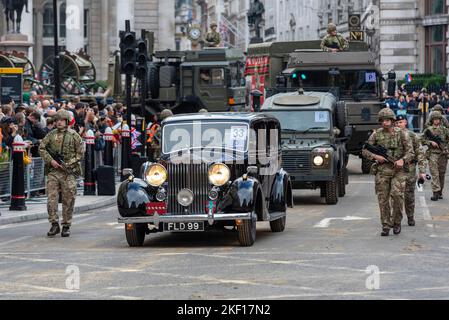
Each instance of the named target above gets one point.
<point>437,166</point>
<point>409,196</point>
<point>391,187</point>
<point>58,181</point>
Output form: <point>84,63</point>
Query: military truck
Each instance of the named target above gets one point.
<point>352,76</point>
<point>187,81</point>
<point>313,141</point>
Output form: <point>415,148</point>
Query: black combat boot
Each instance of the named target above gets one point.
<point>440,195</point>
<point>411,222</point>
<point>385,232</point>
<point>65,232</point>
<point>54,230</point>
<point>436,196</point>
<point>397,229</point>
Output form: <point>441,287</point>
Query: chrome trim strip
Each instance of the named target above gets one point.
<point>156,219</point>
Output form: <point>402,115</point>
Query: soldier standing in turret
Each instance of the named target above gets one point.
<point>213,38</point>
<point>334,42</point>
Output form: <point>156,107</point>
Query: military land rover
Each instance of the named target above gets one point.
<point>352,76</point>
<point>187,81</point>
<point>313,141</point>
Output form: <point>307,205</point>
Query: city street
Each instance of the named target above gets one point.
<point>326,252</point>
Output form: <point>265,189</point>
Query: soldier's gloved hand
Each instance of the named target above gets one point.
<point>380,159</point>
<point>399,164</point>
<point>54,164</point>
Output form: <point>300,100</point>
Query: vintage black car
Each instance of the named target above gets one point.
<point>217,170</point>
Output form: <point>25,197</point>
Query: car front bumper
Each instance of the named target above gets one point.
<point>156,219</point>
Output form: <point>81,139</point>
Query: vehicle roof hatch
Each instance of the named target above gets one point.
<point>295,101</point>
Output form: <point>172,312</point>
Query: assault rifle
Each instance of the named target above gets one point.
<point>380,151</point>
<point>429,135</point>
<point>60,160</point>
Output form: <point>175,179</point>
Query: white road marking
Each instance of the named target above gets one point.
<point>14,240</point>
<point>326,222</point>
<point>126,298</point>
<point>425,209</point>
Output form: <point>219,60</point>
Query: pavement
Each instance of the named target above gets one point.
<point>37,208</point>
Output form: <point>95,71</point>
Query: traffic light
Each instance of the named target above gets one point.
<point>142,59</point>
<point>300,75</point>
<point>391,83</point>
<point>128,52</point>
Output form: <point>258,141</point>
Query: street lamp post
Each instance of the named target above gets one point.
<point>57,92</point>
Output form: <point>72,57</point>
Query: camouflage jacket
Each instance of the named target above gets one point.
<point>334,42</point>
<point>420,155</point>
<point>441,132</point>
<point>68,143</point>
<point>398,144</point>
<point>213,39</point>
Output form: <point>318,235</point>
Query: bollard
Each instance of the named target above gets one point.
<point>18,176</point>
<point>109,148</point>
<point>126,149</point>
<point>89,164</point>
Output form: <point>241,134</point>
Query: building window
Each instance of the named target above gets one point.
<point>62,18</point>
<point>434,7</point>
<point>48,20</point>
<point>436,44</point>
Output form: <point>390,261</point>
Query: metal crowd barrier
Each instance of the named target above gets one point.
<point>5,179</point>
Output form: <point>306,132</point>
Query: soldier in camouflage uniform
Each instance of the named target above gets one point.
<point>334,41</point>
<point>420,160</point>
<point>437,155</point>
<point>444,122</point>
<point>390,177</point>
<point>213,38</point>
<point>69,144</point>
<point>155,143</point>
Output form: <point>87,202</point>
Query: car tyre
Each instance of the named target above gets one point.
<point>247,231</point>
<point>342,183</point>
<point>366,166</point>
<point>332,192</point>
<point>278,225</point>
<point>135,235</point>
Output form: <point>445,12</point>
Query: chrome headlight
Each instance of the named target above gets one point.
<point>318,161</point>
<point>185,197</point>
<point>156,175</point>
<point>219,174</point>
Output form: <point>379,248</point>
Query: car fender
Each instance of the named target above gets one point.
<point>132,198</point>
<point>279,192</point>
<point>244,195</point>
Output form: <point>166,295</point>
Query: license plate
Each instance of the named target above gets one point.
<point>184,226</point>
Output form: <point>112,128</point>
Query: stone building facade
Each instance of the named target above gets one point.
<point>94,25</point>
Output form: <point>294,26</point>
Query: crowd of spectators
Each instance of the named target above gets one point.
<point>412,104</point>
<point>33,120</point>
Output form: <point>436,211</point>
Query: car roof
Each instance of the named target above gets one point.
<point>219,116</point>
<point>294,101</point>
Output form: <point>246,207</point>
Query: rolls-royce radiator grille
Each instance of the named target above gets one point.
<point>296,163</point>
<point>190,176</point>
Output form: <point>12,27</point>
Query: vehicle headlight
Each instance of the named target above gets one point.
<point>185,197</point>
<point>318,161</point>
<point>219,174</point>
<point>156,175</point>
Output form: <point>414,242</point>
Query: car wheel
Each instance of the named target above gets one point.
<point>366,166</point>
<point>341,183</point>
<point>247,231</point>
<point>135,234</point>
<point>332,191</point>
<point>278,225</point>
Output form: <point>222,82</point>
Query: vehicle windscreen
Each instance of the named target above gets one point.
<point>303,121</point>
<point>205,135</point>
<point>360,83</point>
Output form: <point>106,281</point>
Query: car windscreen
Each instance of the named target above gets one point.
<point>204,134</point>
<point>350,82</point>
<point>303,120</point>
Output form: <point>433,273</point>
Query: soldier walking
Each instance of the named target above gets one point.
<point>437,154</point>
<point>67,143</point>
<point>333,41</point>
<point>444,121</point>
<point>390,174</point>
<point>420,161</point>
